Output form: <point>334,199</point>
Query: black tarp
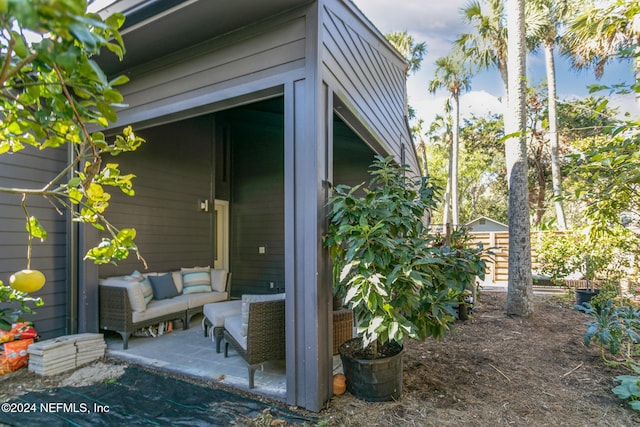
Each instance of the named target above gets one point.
<point>140,398</point>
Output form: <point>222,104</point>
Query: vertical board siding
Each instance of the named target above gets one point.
<point>174,169</point>
<point>257,209</point>
<point>32,168</point>
<point>365,72</point>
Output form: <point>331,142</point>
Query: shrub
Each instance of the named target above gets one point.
<point>388,269</point>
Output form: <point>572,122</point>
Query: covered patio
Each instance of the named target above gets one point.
<point>248,121</point>
<point>190,354</point>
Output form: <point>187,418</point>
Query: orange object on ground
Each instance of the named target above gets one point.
<point>14,355</point>
<point>19,331</point>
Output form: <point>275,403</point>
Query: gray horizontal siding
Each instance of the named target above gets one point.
<point>174,169</point>
<point>362,70</point>
<point>32,169</point>
<point>193,76</point>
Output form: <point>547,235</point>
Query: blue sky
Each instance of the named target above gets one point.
<point>438,23</point>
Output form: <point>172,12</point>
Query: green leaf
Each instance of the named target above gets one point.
<point>84,36</point>
<point>120,80</point>
<point>346,270</point>
<point>36,229</point>
<point>113,96</point>
<point>68,58</point>
<point>628,387</point>
<point>107,111</point>
<point>20,47</point>
<point>351,293</point>
<point>75,195</point>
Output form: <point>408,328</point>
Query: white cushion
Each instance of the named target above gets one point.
<point>218,279</point>
<point>249,298</point>
<point>233,325</point>
<point>134,291</point>
<point>200,299</point>
<point>158,308</point>
<point>217,312</point>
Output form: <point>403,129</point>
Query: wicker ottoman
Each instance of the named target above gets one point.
<point>342,327</point>
<point>214,315</point>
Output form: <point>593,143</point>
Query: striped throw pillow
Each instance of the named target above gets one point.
<point>197,279</point>
<point>145,284</point>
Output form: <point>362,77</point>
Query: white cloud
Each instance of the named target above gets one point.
<point>626,104</point>
<point>480,103</point>
<point>438,23</point>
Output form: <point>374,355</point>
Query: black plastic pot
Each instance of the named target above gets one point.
<point>585,295</point>
<point>374,380</point>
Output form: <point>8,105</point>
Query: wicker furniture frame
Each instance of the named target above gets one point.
<point>265,335</point>
<point>342,327</point>
<point>116,314</point>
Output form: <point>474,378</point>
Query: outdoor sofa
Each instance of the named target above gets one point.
<point>129,303</point>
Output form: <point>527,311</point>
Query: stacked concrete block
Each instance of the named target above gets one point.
<point>64,353</point>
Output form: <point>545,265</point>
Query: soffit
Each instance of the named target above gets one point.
<point>156,28</point>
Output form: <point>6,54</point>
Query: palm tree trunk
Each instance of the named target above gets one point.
<point>520,288</point>
<point>422,146</point>
<point>455,141</point>
<point>556,177</point>
<point>423,154</point>
<point>447,193</point>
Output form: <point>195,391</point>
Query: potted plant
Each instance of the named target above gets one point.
<point>387,271</point>
<point>591,264</point>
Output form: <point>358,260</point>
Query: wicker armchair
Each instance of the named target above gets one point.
<point>265,335</point>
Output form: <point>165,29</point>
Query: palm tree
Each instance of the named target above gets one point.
<point>413,53</point>
<point>452,73</point>
<point>421,146</point>
<point>520,289</point>
<point>487,46</point>
<point>545,18</point>
<point>410,50</point>
<point>440,132</point>
<point>601,33</point>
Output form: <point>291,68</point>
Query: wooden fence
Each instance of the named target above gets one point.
<point>498,268</point>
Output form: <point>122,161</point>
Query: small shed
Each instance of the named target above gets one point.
<point>483,224</point>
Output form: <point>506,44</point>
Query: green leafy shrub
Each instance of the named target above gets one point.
<point>606,257</point>
<point>629,389</point>
<point>616,328</point>
<point>398,280</point>
<point>560,255</point>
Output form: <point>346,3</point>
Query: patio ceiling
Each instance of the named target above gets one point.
<point>157,27</point>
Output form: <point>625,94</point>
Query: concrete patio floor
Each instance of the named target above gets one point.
<point>190,353</point>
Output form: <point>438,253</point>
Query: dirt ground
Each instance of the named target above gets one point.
<point>493,370</point>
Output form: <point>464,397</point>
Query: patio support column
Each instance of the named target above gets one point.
<point>307,171</point>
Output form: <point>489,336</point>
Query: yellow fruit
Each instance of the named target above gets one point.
<point>27,280</point>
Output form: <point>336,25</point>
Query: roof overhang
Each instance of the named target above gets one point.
<point>154,28</point>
